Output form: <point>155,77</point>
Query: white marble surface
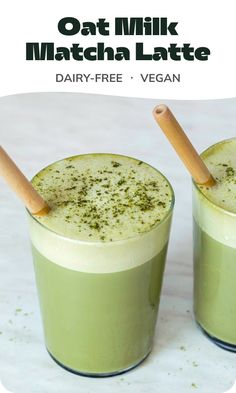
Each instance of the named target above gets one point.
<point>37,129</point>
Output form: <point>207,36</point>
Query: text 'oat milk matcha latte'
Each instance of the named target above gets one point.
<point>214,212</point>
<point>99,258</point>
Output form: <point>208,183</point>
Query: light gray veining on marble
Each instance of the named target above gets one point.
<point>37,129</point>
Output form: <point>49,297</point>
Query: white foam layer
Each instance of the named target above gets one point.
<point>214,208</point>
<point>218,224</point>
<point>109,213</point>
<point>99,257</point>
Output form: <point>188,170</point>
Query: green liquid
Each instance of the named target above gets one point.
<point>99,323</point>
<point>215,286</point>
<point>98,287</point>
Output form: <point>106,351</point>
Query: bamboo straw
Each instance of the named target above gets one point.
<point>184,148</point>
<point>21,186</point>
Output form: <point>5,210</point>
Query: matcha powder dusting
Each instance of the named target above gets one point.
<point>103,197</point>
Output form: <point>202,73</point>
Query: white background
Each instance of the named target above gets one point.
<point>201,23</point>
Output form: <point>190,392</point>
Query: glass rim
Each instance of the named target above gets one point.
<point>215,205</point>
<point>91,242</point>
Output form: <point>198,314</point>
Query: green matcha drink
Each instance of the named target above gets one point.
<point>214,212</point>
<point>99,258</point>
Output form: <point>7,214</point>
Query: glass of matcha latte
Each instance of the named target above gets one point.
<point>99,257</point>
<point>214,213</point>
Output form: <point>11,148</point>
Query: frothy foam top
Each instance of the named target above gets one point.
<point>218,223</point>
<point>221,162</point>
<point>103,197</point>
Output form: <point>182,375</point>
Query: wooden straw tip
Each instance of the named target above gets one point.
<point>211,182</point>
<point>43,212</point>
<point>159,109</point>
